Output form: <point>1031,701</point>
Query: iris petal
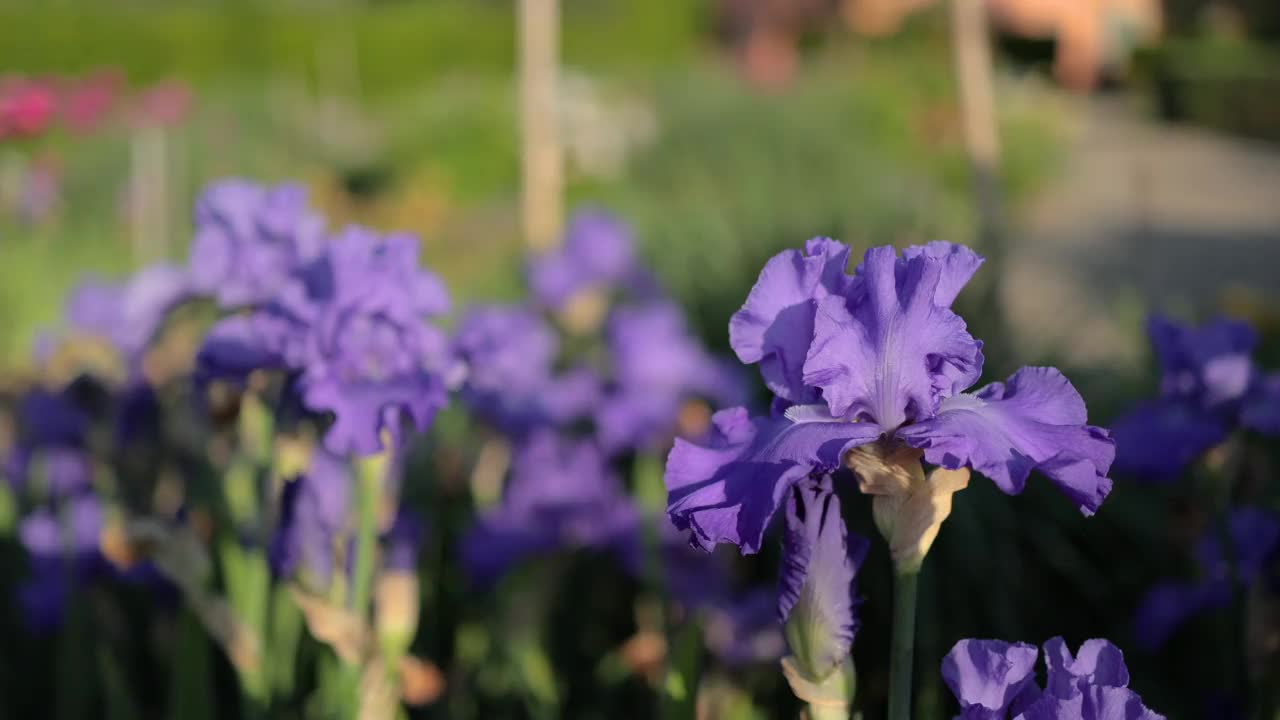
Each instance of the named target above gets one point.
<point>1035,421</point>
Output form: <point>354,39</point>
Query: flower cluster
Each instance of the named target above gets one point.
<point>599,367</point>
<point>1209,387</point>
<point>347,315</point>
<point>31,107</point>
<point>994,680</point>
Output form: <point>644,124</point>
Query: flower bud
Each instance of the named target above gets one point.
<point>396,612</point>
<point>829,697</point>
<point>818,596</point>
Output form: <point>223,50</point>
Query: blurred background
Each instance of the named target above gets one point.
<point>1112,157</point>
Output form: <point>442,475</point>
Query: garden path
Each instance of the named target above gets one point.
<point>1141,216</point>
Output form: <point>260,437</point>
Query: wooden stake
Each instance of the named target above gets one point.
<point>542,162</point>
<point>971,45</point>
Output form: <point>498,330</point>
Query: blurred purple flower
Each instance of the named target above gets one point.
<point>1255,538</point>
<point>509,354</point>
<point>61,541</point>
<point>657,365</point>
<point>313,518</point>
<point>402,541</point>
<point>353,323</point>
<point>236,346</point>
<point>598,254</point>
<point>47,418</point>
<point>72,533</point>
<point>369,352</point>
<point>561,495</point>
<point>1209,386</point>
<point>51,438</point>
<point>995,680</point>
<point>249,239</point>
<point>127,315</point>
<point>745,630</point>
<point>889,359</point>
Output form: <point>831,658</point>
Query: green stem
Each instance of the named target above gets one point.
<point>368,488</point>
<point>901,657</point>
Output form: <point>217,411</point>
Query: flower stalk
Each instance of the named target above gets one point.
<point>902,649</point>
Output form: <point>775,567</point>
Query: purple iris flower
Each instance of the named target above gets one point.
<point>1255,538</point>
<point>817,584</point>
<point>249,239</point>
<point>995,680</point>
<point>62,542</point>
<point>598,254</point>
<point>1209,386</point>
<point>313,520</point>
<point>402,541</point>
<point>657,365</point>
<point>561,494</point>
<point>353,323</point>
<point>52,433</point>
<point>877,356</point>
<point>744,630</point>
<point>127,315</point>
<point>510,353</point>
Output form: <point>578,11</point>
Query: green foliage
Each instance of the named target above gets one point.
<point>864,148</point>
<point>400,45</point>
<point>1226,84</point>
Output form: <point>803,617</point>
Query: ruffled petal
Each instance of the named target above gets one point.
<point>987,676</point>
<point>1098,662</point>
<point>236,346</point>
<point>1093,703</point>
<point>891,354</point>
<point>248,238</point>
<point>362,410</point>
<point>817,583</point>
<point>959,263</point>
<point>728,491</point>
<point>1035,421</point>
<point>1158,439</point>
<point>775,325</point>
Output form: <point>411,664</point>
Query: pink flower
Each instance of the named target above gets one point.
<point>26,107</point>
